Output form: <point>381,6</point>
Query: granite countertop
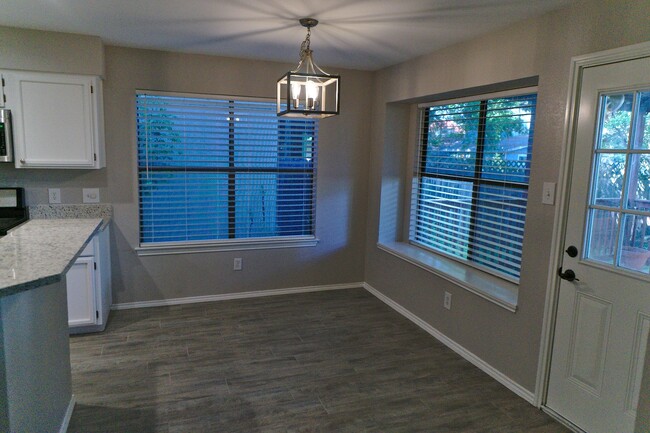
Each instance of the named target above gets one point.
<point>40,251</point>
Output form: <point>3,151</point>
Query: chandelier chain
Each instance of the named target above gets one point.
<point>304,47</point>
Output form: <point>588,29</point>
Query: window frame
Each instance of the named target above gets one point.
<point>231,243</point>
<point>418,159</point>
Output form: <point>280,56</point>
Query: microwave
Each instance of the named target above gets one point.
<point>6,136</point>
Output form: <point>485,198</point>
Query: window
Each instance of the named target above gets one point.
<point>471,181</point>
<point>216,169</point>
<point>618,226</point>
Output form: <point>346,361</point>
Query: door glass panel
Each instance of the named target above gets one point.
<point>616,118</point>
<point>610,171</point>
<point>617,230</point>
<point>639,186</point>
<point>642,127</point>
<point>602,236</point>
<point>634,253</point>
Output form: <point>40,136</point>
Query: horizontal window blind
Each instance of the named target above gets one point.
<point>471,181</point>
<point>213,169</point>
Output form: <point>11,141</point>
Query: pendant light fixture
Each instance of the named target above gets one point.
<point>308,91</point>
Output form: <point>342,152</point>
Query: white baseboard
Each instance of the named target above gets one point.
<point>68,415</point>
<point>230,296</point>
<point>478,362</point>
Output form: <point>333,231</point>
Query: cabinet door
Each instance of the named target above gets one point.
<point>56,121</point>
<point>81,292</point>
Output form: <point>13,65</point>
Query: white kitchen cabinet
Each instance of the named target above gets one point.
<point>80,281</point>
<point>58,119</point>
<point>89,286</point>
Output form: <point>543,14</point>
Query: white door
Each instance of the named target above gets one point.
<point>603,316</point>
<point>80,282</point>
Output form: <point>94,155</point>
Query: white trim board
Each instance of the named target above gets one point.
<point>68,415</point>
<point>460,350</point>
<point>230,296</point>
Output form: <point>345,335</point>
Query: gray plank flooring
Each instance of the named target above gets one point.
<point>337,361</point>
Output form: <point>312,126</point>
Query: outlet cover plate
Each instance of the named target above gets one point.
<point>54,195</point>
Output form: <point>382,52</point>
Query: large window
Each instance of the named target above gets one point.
<point>213,169</point>
<point>471,181</point>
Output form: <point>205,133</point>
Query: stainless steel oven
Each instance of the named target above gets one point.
<point>6,136</point>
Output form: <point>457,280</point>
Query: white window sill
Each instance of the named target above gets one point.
<point>160,249</point>
<point>489,287</point>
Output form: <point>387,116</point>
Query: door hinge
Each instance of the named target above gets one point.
<point>95,265</point>
<point>3,82</point>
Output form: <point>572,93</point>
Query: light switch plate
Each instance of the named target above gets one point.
<point>548,193</point>
<point>91,195</point>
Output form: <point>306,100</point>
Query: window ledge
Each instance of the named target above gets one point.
<point>160,249</point>
<point>489,287</point>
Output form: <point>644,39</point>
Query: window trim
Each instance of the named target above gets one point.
<point>421,255</point>
<point>167,248</point>
<point>215,245</point>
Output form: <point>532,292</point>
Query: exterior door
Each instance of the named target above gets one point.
<point>603,315</point>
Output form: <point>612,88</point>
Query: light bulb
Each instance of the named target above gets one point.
<point>311,89</point>
<point>295,90</point>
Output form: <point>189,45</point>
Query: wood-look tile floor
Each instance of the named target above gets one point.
<point>337,361</point>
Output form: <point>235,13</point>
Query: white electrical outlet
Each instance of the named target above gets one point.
<point>90,195</point>
<point>447,303</point>
<point>54,195</point>
<point>237,263</point>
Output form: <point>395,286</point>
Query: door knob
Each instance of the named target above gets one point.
<point>572,251</point>
<point>568,275</point>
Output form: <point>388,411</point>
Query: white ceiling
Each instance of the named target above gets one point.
<point>358,34</point>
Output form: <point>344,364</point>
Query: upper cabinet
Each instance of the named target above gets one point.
<point>58,119</point>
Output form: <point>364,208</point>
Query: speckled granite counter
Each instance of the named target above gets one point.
<point>48,211</point>
<point>40,251</point>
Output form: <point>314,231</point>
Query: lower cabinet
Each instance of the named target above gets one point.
<point>89,287</point>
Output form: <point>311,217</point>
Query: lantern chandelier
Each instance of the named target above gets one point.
<point>308,91</point>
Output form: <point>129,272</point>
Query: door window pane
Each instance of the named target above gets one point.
<point>610,171</point>
<point>616,117</point>
<point>639,184</point>
<point>602,236</point>
<point>634,253</point>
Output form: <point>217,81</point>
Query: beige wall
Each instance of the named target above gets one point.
<point>37,50</point>
<point>341,193</point>
<point>539,47</point>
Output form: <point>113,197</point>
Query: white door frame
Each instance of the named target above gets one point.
<point>578,64</point>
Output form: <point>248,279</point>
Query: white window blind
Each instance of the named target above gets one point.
<point>471,181</point>
<point>215,168</point>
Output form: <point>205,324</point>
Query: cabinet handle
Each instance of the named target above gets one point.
<point>22,161</point>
